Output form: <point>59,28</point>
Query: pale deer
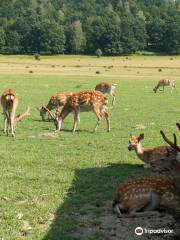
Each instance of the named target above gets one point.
<point>107,88</point>
<point>83,101</point>
<point>165,82</point>
<point>148,193</point>
<point>56,101</point>
<point>149,155</point>
<point>9,102</point>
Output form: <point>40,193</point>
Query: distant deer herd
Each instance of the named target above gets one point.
<point>141,194</point>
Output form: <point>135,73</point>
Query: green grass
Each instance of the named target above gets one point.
<point>74,175</point>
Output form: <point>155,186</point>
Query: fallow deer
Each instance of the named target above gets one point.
<point>107,88</point>
<point>165,82</point>
<point>149,155</point>
<point>56,101</point>
<point>83,101</point>
<point>170,164</point>
<point>142,194</point>
<point>9,102</point>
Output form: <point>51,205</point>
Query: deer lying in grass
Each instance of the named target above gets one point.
<point>107,88</point>
<point>170,164</point>
<point>165,82</point>
<point>56,101</point>
<point>147,194</point>
<point>9,102</point>
<point>83,101</point>
<point>151,155</point>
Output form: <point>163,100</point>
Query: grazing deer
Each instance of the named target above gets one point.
<point>107,88</point>
<point>151,155</point>
<point>9,102</point>
<point>147,194</point>
<point>83,101</point>
<point>56,101</point>
<point>165,82</point>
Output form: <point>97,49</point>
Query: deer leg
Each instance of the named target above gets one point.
<point>106,115</point>
<point>99,117</point>
<point>114,99</point>
<point>76,120</point>
<point>12,125</point>
<point>5,124</point>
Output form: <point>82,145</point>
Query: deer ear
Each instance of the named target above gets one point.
<point>141,137</point>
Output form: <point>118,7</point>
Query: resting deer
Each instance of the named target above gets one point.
<point>147,194</point>
<point>107,88</point>
<point>165,82</point>
<point>9,102</point>
<point>56,101</point>
<point>83,101</point>
<point>151,155</point>
<point>171,164</point>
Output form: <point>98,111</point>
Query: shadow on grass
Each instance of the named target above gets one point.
<point>90,191</point>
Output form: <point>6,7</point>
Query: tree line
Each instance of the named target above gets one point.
<point>114,27</point>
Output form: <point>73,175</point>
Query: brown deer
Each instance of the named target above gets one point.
<point>165,82</point>
<point>107,88</point>
<point>147,194</point>
<point>9,102</point>
<point>151,155</point>
<point>83,101</point>
<point>56,101</point>
<point>170,164</point>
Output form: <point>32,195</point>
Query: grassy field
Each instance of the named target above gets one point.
<point>58,187</point>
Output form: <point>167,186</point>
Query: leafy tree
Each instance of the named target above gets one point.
<point>77,40</point>
<point>171,37</point>
<point>2,39</point>
<point>98,53</point>
<point>47,37</point>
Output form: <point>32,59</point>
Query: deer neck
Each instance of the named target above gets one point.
<point>139,150</point>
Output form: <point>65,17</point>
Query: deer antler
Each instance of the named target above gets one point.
<point>173,145</point>
<point>19,117</point>
<point>50,113</point>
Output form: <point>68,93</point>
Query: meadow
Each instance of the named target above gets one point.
<point>59,186</point>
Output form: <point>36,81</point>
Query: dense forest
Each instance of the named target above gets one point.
<point>114,27</point>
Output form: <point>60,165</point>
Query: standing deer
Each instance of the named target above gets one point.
<point>165,82</point>
<point>56,101</point>
<point>147,194</point>
<point>9,102</point>
<point>151,155</point>
<point>107,88</point>
<point>83,101</point>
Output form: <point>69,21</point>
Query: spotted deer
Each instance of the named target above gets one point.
<point>142,194</point>
<point>56,101</point>
<point>149,155</point>
<point>165,82</point>
<point>83,101</point>
<point>107,88</point>
<point>9,102</point>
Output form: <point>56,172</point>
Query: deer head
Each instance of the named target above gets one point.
<point>55,118</point>
<point>134,141</point>
<point>172,144</point>
<point>174,163</point>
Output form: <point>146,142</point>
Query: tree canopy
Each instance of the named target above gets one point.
<point>69,26</point>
